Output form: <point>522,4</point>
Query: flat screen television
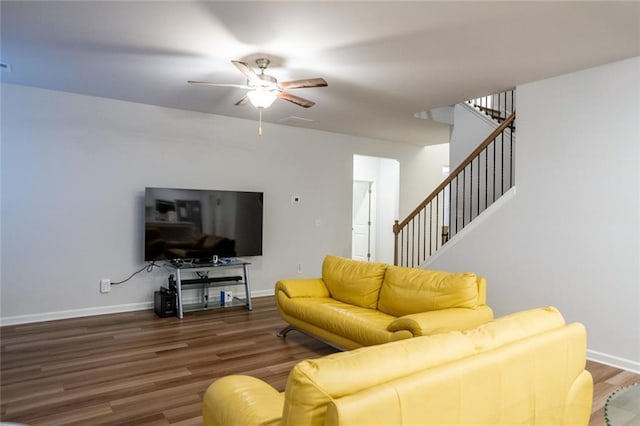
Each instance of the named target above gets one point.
<point>197,224</point>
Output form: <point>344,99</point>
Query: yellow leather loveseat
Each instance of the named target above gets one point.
<point>358,304</point>
<point>526,368</point>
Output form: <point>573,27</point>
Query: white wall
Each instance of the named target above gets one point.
<point>470,129</point>
<point>74,169</point>
<point>388,208</point>
<point>420,174</point>
<point>570,236</point>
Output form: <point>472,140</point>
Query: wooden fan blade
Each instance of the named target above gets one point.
<point>246,70</point>
<point>305,103</point>
<point>240,86</point>
<point>242,101</point>
<point>298,84</point>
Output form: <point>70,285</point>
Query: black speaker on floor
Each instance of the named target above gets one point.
<point>165,303</point>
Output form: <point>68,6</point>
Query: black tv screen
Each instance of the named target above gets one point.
<point>198,224</point>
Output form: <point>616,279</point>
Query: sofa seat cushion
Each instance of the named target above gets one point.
<point>362,325</point>
<point>353,282</point>
<point>408,291</point>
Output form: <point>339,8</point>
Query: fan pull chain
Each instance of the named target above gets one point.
<point>260,125</point>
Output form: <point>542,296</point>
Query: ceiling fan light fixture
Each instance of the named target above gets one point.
<point>261,97</point>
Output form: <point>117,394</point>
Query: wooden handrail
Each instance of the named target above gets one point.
<point>493,113</point>
<point>397,227</point>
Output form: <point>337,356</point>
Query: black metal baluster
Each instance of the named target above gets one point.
<point>430,226</point>
<point>469,189</point>
<point>401,250</point>
<point>494,170</point>
<point>486,176</point>
<point>444,209</point>
<point>407,253</point>
<point>478,190</point>
<point>457,195</point>
<point>464,194</point>
<point>401,253</point>
<point>413,245</point>
<point>502,162</point>
<point>423,236</point>
<point>513,106</point>
<point>437,225</point>
<point>512,159</point>
<point>418,239</point>
<point>450,210</point>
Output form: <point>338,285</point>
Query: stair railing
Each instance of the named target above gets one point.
<point>484,176</point>
<point>498,106</point>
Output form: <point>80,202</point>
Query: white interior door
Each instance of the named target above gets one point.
<point>362,238</point>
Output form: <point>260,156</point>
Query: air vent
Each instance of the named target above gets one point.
<point>294,120</point>
<point>4,67</point>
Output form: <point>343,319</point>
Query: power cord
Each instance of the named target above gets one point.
<point>148,267</point>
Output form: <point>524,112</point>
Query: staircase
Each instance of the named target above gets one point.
<point>483,177</point>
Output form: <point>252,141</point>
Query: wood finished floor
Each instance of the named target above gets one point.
<point>138,369</point>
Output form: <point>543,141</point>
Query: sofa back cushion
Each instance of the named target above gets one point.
<point>511,327</point>
<point>353,282</point>
<point>410,290</point>
<point>313,384</point>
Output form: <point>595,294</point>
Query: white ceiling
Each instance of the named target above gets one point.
<point>384,61</point>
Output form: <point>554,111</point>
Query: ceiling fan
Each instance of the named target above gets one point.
<point>263,89</point>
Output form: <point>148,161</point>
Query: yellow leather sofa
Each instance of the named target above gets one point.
<point>526,368</point>
<point>358,304</point>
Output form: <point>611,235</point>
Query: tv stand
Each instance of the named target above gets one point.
<point>202,282</point>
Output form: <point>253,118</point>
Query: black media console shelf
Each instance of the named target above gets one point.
<point>203,282</point>
<point>210,280</point>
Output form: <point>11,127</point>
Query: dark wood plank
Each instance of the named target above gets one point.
<point>136,369</point>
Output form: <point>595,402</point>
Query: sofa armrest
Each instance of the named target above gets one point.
<point>482,291</point>
<point>441,321</point>
<point>305,287</point>
<point>241,400</point>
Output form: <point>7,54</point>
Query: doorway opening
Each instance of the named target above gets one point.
<point>376,185</point>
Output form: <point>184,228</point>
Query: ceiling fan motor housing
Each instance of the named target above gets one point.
<point>262,63</point>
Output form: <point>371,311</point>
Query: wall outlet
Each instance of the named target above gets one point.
<point>299,268</point>
<point>105,285</point>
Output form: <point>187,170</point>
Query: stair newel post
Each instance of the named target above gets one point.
<point>396,230</point>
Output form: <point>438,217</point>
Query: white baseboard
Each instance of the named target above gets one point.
<point>75,313</point>
<point>614,361</point>
<point>263,293</point>
<point>100,310</point>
